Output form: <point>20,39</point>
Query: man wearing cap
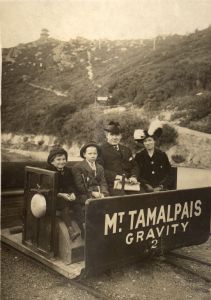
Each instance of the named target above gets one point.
<point>153,167</point>
<point>89,178</point>
<point>116,158</point>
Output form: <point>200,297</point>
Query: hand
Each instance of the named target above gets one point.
<point>72,196</point>
<point>66,196</point>
<point>96,194</point>
<point>149,188</point>
<point>133,180</point>
<point>157,189</point>
<point>118,177</point>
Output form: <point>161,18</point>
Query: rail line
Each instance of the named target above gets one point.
<point>76,282</point>
<point>174,258</point>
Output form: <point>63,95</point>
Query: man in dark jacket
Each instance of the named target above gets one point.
<point>116,158</point>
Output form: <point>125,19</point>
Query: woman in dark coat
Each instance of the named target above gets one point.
<point>153,166</point>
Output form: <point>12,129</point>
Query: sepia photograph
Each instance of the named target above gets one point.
<point>105,149</point>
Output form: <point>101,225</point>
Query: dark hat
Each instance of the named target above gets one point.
<point>89,144</point>
<point>154,131</point>
<point>113,127</point>
<point>56,151</point>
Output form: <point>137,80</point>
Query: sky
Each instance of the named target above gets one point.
<point>22,21</point>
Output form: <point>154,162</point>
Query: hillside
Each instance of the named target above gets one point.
<point>50,86</point>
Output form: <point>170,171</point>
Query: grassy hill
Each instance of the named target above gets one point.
<point>50,86</point>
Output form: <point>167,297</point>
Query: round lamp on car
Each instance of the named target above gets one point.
<point>38,205</point>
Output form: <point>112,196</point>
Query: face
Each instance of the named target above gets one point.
<point>90,154</point>
<point>59,161</point>
<point>113,139</point>
<point>149,143</point>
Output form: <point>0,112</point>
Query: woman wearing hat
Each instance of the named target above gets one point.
<point>116,158</point>
<point>153,167</point>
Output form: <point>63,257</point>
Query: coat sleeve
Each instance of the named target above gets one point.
<point>168,178</point>
<point>103,183</point>
<point>71,188</point>
<point>139,170</point>
<point>108,174</point>
<point>81,187</point>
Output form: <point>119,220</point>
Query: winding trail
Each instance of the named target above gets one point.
<point>56,92</point>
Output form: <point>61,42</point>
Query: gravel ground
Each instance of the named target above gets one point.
<point>22,278</point>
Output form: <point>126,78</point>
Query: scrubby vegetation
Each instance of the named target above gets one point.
<point>87,125</point>
<point>174,77</point>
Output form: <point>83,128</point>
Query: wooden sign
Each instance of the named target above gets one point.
<point>120,230</point>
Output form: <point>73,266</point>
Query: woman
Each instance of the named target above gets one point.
<point>153,167</point>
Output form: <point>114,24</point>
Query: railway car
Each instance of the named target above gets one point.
<point>119,230</point>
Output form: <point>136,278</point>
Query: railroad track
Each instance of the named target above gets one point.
<point>79,282</point>
<point>191,265</point>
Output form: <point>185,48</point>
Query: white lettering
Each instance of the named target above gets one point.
<point>129,238</point>
<point>167,230</point>
<point>110,223</point>
<point>151,216</point>
<point>150,234</point>
<point>121,214</point>
<point>161,215</point>
<point>159,232</point>
<point>191,209</point>
<point>139,236</point>
<point>184,225</point>
<point>169,219</point>
<point>178,208</point>
<point>175,227</point>
<point>132,213</point>
<point>185,212</point>
<point>141,219</point>
<point>197,208</point>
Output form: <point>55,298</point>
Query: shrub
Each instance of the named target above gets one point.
<point>41,142</point>
<point>178,158</point>
<point>169,135</point>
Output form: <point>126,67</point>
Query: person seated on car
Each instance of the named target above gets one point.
<point>153,166</point>
<point>56,161</point>
<point>89,178</point>
<point>117,159</point>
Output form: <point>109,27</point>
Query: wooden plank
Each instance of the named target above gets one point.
<point>14,193</point>
<point>69,271</point>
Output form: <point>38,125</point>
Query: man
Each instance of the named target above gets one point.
<point>116,159</point>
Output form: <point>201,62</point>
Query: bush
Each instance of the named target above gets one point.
<point>41,142</point>
<point>169,135</point>
<point>178,158</point>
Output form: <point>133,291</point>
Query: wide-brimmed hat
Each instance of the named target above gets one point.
<point>89,144</point>
<point>113,127</point>
<point>56,151</point>
<point>154,131</point>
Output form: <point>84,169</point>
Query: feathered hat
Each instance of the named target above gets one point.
<point>113,127</point>
<point>154,131</point>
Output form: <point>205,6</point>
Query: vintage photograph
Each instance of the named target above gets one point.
<point>105,149</point>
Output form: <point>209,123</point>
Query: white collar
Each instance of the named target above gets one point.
<point>92,165</point>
